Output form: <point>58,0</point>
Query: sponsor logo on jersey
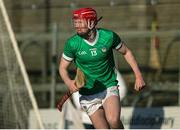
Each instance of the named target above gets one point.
<point>82,53</point>
<point>93,49</point>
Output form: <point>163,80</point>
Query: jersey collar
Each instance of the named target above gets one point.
<point>95,41</point>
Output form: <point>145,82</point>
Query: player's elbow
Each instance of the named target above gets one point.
<point>127,52</point>
<point>61,66</point>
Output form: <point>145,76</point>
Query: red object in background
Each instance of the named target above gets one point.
<point>156,42</point>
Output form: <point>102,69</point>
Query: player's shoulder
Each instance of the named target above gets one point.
<point>73,42</point>
<point>106,32</point>
<point>73,38</point>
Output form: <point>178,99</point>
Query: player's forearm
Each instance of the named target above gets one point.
<point>64,75</point>
<point>63,71</point>
<point>132,62</point>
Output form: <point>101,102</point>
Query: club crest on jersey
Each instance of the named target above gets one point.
<point>104,49</point>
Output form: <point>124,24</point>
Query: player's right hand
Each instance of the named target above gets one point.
<point>72,86</point>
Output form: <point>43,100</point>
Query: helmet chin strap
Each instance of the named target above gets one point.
<point>91,29</point>
<point>88,34</point>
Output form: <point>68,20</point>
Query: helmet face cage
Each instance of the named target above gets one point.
<point>79,23</point>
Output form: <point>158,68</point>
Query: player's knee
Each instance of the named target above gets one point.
<point>113,121</point>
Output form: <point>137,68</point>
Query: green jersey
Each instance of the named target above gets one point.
<point>94,59</point>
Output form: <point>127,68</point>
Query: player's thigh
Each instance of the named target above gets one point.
<point>112,107</point>
<point>99,120</point>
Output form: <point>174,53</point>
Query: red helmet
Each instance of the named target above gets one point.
<point>85,13</point>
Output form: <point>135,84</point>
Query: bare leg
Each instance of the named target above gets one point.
<point>99,120</point>
<point>112,110</point>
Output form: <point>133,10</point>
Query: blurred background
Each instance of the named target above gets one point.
<point>150,28</point>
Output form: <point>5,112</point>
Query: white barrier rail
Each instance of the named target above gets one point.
<point>132,118</point>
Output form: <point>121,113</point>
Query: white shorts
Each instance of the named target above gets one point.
<point>91,103</point>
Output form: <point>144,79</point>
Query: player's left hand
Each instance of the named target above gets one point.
<point>139,83</point>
